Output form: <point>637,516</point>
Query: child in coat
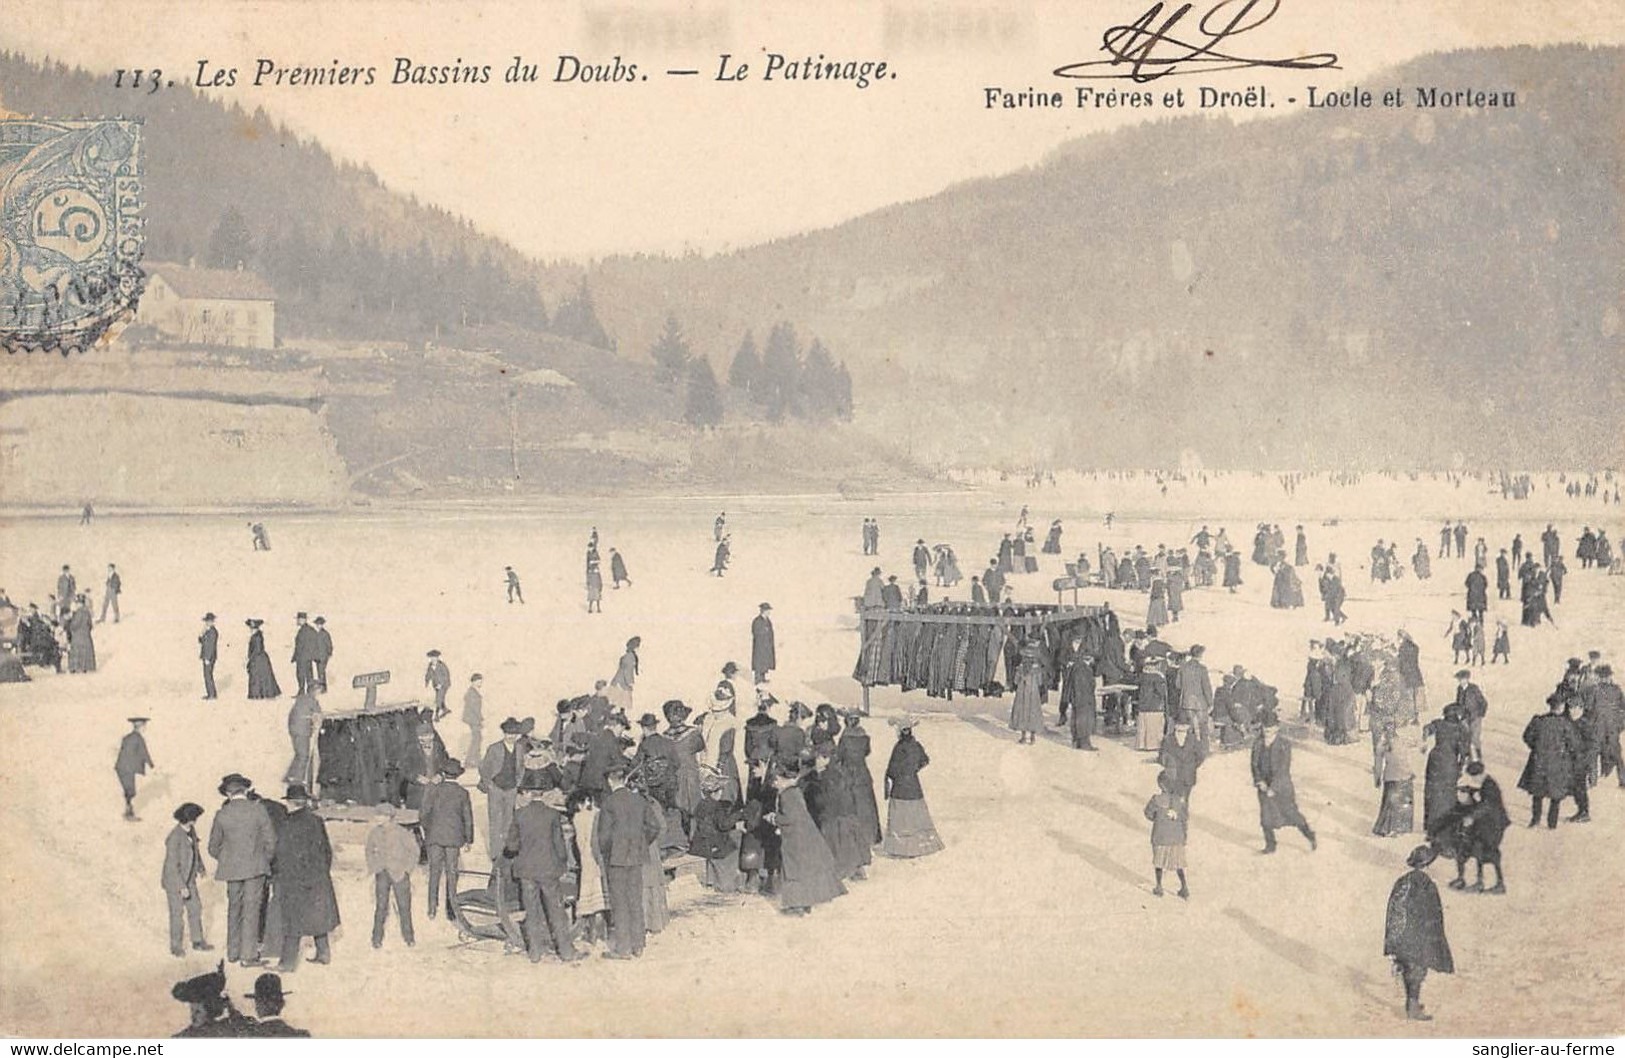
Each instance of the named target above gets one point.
<point>1169,814</point>
<point>1503,644</point>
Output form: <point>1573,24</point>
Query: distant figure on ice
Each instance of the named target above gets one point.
<point>1300,555</point>
<point>764,657</point>
<point>719,564</point>
<point>133,760</point>
<point>1413,935</point>
<point>1421,564</point>
<point>110,593</point>
<point>1444,540</point>
<point>1052,542</point>
<point>595,583</point>
<point>438,676</point>
<point>1478,592</point>
<point>81,642</point>
<point>1461,540</point>
<point>474,718</point>
<point>86,514</point>
<point>922,560</point>
<point>262,539</point>
<point>626,674</point>
<point>515,592</point>
<point>324,652</point>
<point>208,644</point>
<point>617,570</point>
<point>66,588</point>
<point>1232,570</point>
<point>305,648</point>
<point>719,527</point>
<point>261,679</point>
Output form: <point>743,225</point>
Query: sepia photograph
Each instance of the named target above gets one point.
<point>695,519</point>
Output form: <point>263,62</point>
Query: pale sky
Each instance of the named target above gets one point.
<point>674,164</point>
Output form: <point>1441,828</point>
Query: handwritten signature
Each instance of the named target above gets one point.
<point>1151,50</point>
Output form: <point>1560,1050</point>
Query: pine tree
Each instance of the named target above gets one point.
<point>843,393</point>
<point>746,373</point>
<point>577,319</point>
<point>819,383</point>
<point>704,403</point>
<point>671,353</point>
<point>781,372</point>
<point>230,244</point>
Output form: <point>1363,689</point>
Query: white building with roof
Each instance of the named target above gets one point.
<point>209,306</point>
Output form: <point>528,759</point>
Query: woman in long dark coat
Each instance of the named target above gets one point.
<point>909,830</point>
<point>852,754</point>
<point>1232,570</point>
<point>1413,935</point>
<point>809,875</point>
<point>301,874</point>
<point>81,644</point>
<point>261,680</point>
<point>1445,761</point>
<point>836,814</point>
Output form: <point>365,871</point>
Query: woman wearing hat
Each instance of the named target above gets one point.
<point>808,869</point>
<point>626,674</point>
<point>1413,935</point>
<point>716,822</point>
<point>909,830</point>
<point>595,582</point>
<point>1445,760</point>
<point>1027,711</point>
<point>261,679</point>
<point>1394,771</point>
<point>688,742</point>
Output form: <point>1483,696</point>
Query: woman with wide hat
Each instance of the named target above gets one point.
<point>1413,935</point>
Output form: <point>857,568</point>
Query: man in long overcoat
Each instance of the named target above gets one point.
<point>303,718</point>
<point>541,856</point>
<point>324,652</point>
<point>302,872</point>
<point>763,651</point>
<point>1413,934</point>
<point>1554,770</point>
<point>1078,696</point>
<point>1272,778</point>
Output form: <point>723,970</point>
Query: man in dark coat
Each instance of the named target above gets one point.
<point>763,653</point>
<point>242,841</point>
<point>1609,705</point>
<point>1503,576</point>
<point>1478,592</point>
<point>438,676</point>
<point>306,647</point>
<point>1473,706</point>
<point>133,760</point>
<point>1272,778</point>
<point>302,876</point>
<point>922,560</point>
<point>447,821</point>
<point>1472,829</point>
<point>324,652</point>
<point>1413,934</point>
<point>759,731</point>
<point>208,642</point>
<point>604,749</point>
<point>541,855</point>
<point>627,823</point>
<point>1553,770</point>
<point>269,999</point>
<point>1181,755</point>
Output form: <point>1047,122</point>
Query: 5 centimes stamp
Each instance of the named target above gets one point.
<point>70,231</point>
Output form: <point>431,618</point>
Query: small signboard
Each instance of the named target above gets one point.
<point>1065,584</point>
<point>371,681</point>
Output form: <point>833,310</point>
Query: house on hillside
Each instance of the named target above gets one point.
<point>209,306</point>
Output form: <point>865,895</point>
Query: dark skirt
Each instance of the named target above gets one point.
<point>1398,812</point>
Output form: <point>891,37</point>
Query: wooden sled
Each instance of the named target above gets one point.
<point>484,911</point>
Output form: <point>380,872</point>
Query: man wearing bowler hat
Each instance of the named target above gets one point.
<point>269,999</point>
<point>438,676</point>
<point>306,647</point>
<point>242,841</point>
<point>447,821</point>
<point>133,760</point>
<point>208,642</point>
<point>627,823</point>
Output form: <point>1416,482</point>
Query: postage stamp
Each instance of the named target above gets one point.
<point>70,231</point>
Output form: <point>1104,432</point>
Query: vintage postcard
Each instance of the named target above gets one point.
<point>702,518</point>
